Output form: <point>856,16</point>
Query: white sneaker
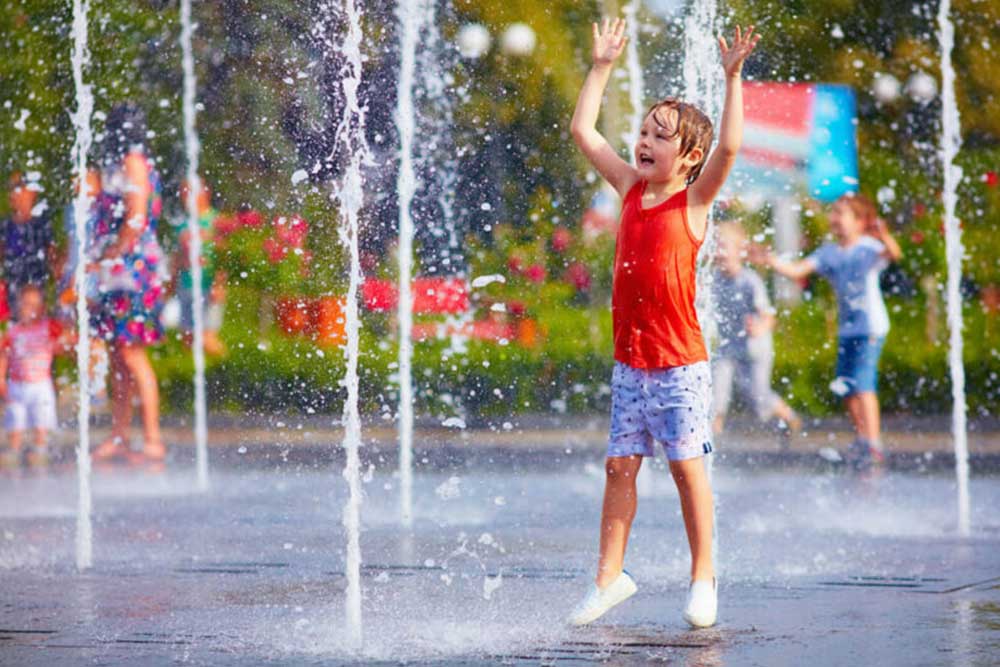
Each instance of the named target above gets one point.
<point>599,601</point>
<point>702,604</point>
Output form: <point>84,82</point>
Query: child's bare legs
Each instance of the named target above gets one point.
<point>15,440</point>
<point>784,412</point>
<point>38,456</point>
<point>121,397</point>
<point>864,410</point>
<point>695,492</point>
<point>620,503</point>
<point>135,359</point>
<point>10,457</point>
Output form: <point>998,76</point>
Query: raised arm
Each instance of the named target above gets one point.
<point>720,162</point>
<point>609,40</point>
<point>796,269</point>
<point>893,252</point>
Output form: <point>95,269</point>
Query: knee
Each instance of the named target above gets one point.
<point>620,469</point>
<point>135,359</point>
<point>688,474</point>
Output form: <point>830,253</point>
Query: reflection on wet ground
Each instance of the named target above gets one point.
<point>820,566</point>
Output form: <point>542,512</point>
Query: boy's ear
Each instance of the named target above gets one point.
<point>693,157</point>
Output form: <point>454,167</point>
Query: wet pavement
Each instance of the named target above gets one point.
<point>815,565</point>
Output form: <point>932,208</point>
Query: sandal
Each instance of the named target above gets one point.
<point>112,450</point>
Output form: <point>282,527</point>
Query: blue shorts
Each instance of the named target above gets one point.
<point>857,364</point>
<point>668,405</point>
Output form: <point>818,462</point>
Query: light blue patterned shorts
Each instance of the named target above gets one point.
<point>671,406</point>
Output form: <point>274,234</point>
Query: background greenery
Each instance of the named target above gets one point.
<point>253,62</point>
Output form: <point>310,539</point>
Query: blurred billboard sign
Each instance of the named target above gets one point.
<point>797,136</point>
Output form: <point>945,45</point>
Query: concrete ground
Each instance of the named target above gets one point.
<point>816,564</point>
<point>917,444</point>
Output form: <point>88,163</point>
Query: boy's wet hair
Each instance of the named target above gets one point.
<point>862,207</point>
<point>693,127</point>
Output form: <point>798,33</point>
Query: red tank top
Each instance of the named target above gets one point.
<point>652,300</point>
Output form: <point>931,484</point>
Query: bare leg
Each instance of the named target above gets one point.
<point>15,440</point>
<point>616,516</point>
<point>137,361</point>
<point>784,412</point>
<point>853,405</point>
<point>868,408</point>
<point>116,446</point>
<point>121,396</point>
<point>38,456</point>
<point>691,479</point>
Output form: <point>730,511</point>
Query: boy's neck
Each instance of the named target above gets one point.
<point>848,241</point>
<point>663,189</point>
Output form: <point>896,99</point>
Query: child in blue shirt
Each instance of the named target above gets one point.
<point>861,250</point>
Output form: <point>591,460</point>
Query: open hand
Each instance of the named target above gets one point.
<point>733,56</point>
<point>755,326</point>
<point>609,41</point>
<point>877,227</point>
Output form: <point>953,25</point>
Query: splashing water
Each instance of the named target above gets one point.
<point>192,147</point>
<point>702,73</point>
<point>703,84</point>
<point>81,206</point>
<point>951,142</point>
<point>411,14</point>
<point>438,90</point>
<point>636,82</point>
<point>349,194</point>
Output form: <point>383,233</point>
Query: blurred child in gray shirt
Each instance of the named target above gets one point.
<point>745,350</point>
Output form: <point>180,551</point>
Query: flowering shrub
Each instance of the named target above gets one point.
<point>273,258</point>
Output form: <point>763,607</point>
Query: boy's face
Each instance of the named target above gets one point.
<point>729,250</point>
<point>844,224</point>
<point>657,152</point>
<point>30,306</point>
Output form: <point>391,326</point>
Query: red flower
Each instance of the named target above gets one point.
<point>991,179</point>
<point>578,275</point>
<point>251,219</point>
<point>226,225</point>
<point>919,210</point>
<point>291,231</point>
<point>917,237</point>
<point>275,251</point>
<point>516,308</point>
<point>514,265</point>
<point>561,238</point>
<point>535,273</point>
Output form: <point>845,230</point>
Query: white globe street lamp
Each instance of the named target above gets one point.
<point>922,87</point>
<point>473,40</point>
<point>886,88</point>
<point>518,40</point>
